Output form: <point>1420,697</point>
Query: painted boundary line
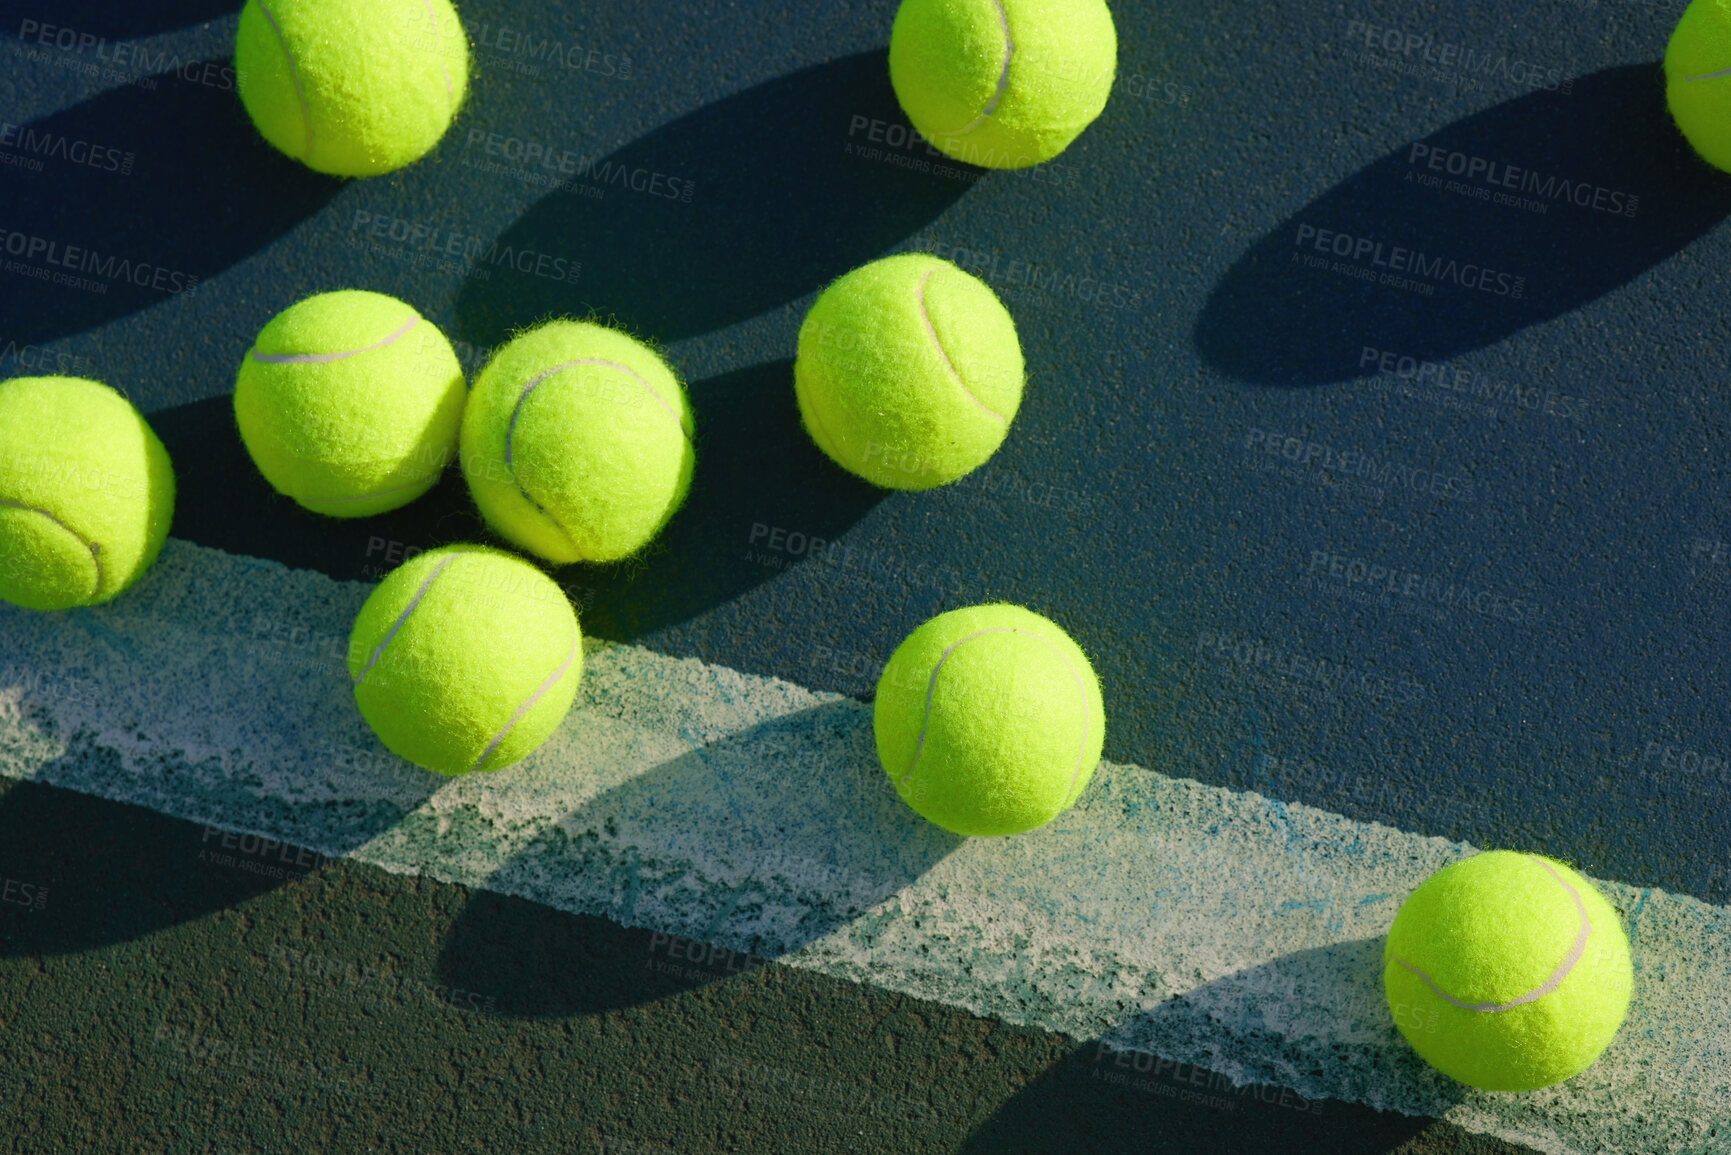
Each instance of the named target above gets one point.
<point>1205,925</point>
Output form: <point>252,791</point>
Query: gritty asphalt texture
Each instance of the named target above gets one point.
<point>1206,472</point>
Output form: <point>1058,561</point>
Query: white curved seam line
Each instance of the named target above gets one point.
<point>931,331</point>
<point>932,682</point>
<point>450,90</point>
<point>1003,75</point>
<point>1708,75</point>
<point>426,583</point>
<point>294,75</point>
<point>529,704</point>
<point>1576,951</point>
<point>327,358</point>
<point>95,548</point>
<point>362,497</point>
<point>523,396</point>
<point>536,380</point>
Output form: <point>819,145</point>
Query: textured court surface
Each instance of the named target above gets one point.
<point>1371,570</point>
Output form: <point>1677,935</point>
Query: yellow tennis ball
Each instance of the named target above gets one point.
<point>86,493</point>
<point>465,658</point>
<point>909,372</point>
<point>1507,971</point>
<point>1698,79</point>
<point>577,443</point>
<point>1002,83</point>
<point>989,720</point>
<point>351,87</point>
<point>350,402</point>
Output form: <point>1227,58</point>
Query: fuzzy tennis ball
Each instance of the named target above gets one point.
<point>465,658</point>
<point>577,443</point>
<point>989,720</point>
<point>351,87</point>
<point>350,403</point>
<point>1698,79</point>
<point>1002,83</point>
<point>909,372</point>
<point>1507,971</point>
<point>86,493</point>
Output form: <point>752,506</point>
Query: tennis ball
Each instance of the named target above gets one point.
<point>86,493</point>
<point>577,443</point>
<point>351,87</point>
<point>465,658</point>
<point>350,402</point>
<point>1002,83</point>
<point>1698,79</point>
<point>989,720</point>
<point>1507,971</point>
<point>909,372</point>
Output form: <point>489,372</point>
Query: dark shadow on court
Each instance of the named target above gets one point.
<point>142,193</point>
<point>755,466</point>
<point>1621,192</point>
<point>1107,1092</point>
<point>765,864</point>
<point>222,501</point>
<point>782,200</point>
<point>103,872</point>
<point>109,19</point>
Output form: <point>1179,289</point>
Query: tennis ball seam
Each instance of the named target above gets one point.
<point>326,359</point>
<point>95,548</point>
<point>523,708</point>
<point>1577,951</point>
<point>943,354</point>
<point>1708,76</point>
<point>997,96</point>
<point>523,397</point>
<point>932,682</point>
<point>294,75</point>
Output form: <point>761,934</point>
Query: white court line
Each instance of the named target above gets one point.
<point>1206,925</point>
